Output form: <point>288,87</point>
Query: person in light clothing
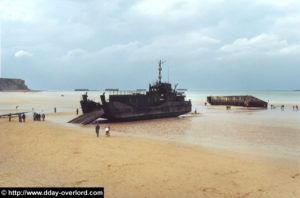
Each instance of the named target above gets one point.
<point>107,130</point>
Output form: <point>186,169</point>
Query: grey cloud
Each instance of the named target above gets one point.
<point>104,42</point>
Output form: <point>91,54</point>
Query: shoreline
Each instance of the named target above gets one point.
<point>22,90</point>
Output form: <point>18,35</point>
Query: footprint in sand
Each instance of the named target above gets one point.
<point>80,181</point>
<point>296,175</point>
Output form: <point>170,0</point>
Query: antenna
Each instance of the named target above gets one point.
<point>160,62</point>
<point>175,86</point>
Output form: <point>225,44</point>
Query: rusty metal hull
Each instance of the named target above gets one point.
<point>245,101</point>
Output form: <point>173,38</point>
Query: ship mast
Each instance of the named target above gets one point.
<point>160,62</point>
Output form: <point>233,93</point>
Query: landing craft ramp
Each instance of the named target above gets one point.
<point>88,118</point>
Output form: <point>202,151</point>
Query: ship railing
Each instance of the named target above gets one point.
<point>126,92</point>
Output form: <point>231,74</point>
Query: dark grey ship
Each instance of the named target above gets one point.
<point>160,101</point>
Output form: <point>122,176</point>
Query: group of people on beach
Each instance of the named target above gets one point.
<point>38,116</point>
<point>21,116</point>
<point>107,130</point>
<point>295,108</point>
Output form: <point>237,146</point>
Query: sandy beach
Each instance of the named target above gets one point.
<point>47,154</point>
<point>146,159</point>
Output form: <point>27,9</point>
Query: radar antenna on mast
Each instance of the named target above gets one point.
<point>160,62</point>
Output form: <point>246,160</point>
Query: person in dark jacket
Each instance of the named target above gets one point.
<point>20,117</point>
<point>23,117</point>
<point>97,130</point>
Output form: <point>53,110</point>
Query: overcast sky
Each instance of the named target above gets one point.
<point>208,44</point>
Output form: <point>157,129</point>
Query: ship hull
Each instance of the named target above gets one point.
<point>116,111</point>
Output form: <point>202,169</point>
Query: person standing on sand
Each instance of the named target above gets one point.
<point>54,109</point>
<point>43,117</point>
<point>97,130</point>
<point>9,117</point>
<point>24,117</point>
<point>20,117</point>
<point>107,129</point>
<point>77,111</point>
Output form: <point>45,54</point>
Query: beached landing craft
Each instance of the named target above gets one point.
<point>245,101</point>
<point>159,101</point>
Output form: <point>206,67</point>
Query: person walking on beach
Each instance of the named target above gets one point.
<point>9,117</point>
<point>107,130</point>
<point>282,107</point>
<point>97,130</point>
<point>77,111</point>
<point>20,117</point>
<point>43,117</point>
<point>24,117</point>
<point>296,107</point>
<point>54,109</point>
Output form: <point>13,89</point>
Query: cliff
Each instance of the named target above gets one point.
<point>12,84</point>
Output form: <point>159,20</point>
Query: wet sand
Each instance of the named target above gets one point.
<point>177,157</point>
